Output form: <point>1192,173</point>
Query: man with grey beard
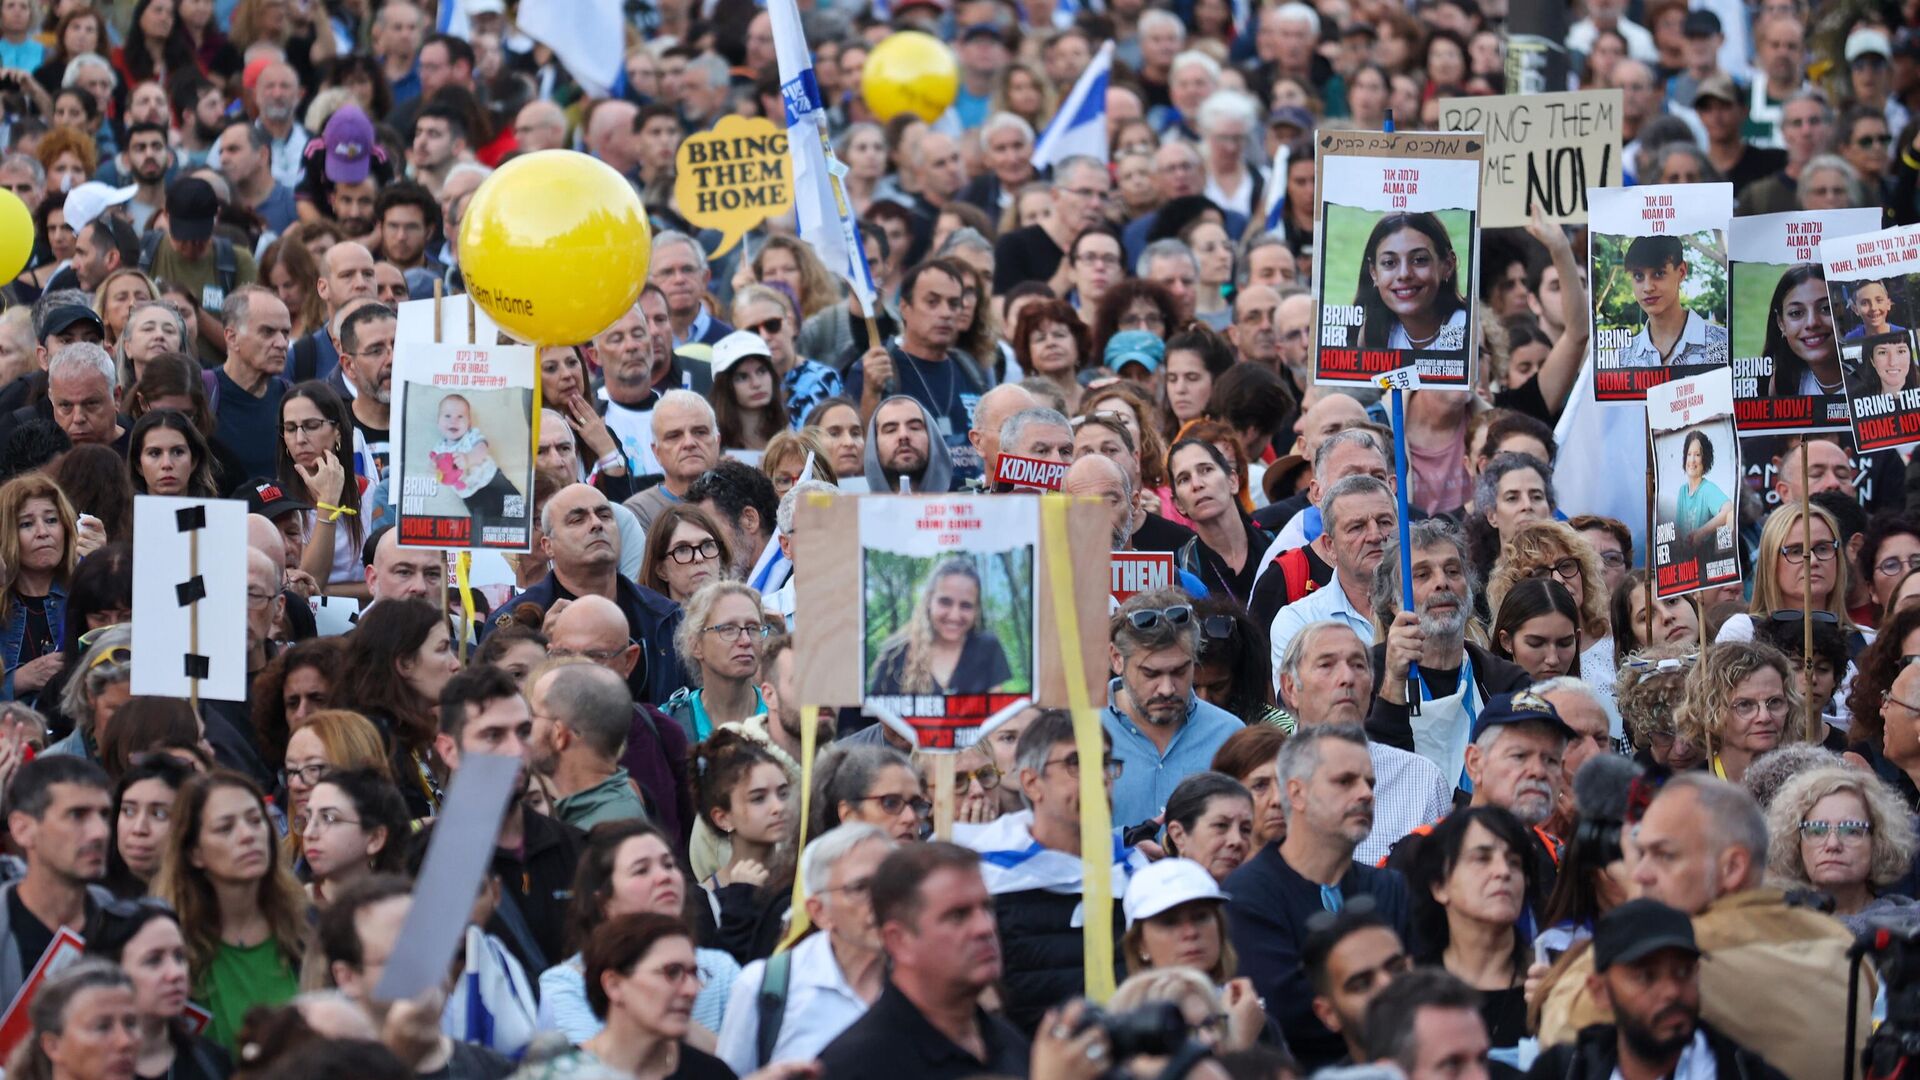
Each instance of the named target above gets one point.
<point>1432,712</point>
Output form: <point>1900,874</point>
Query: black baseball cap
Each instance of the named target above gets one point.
<point>62,317</point>
<point>1639,928</point>
<point>268,499</point>
<point>1700,23</point>
<point>1519,707</point>
<point>191,208</point>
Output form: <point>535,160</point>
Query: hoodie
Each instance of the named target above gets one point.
<point>937,479</point>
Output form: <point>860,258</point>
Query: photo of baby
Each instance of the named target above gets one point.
<point>466,468</point>
<point>465,463</point>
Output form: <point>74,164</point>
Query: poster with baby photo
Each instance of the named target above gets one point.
<point>1786,363</point>
<point>465,473</point>
<point>1696,483</point>
<point>1873,286</point>
<point>1398,215</point>
<point>1657,264</point>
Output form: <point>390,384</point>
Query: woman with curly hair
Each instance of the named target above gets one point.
<point>1649,688</point>
<point>1553,549</point>
<point>1134,304</point>
<point>946,647</point>
<point>296,684</point>
<point>1050,342</point>
<point>1844,832</point>
<point>1741,701</point>
<point>788,261</point>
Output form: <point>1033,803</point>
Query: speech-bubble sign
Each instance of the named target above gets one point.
<point>734,177</point>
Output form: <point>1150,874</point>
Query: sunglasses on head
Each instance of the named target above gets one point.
<point>1148,618</point>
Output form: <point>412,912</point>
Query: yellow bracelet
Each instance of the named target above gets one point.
<point>335,510</point>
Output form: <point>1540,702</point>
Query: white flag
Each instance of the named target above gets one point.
<point>1080,127</point>
<point>825,216</point>
<point>587,36</point>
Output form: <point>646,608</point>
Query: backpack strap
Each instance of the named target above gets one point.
<point>1299,573</point>
<point>226,266</point>
<point>149,247</point>
<point>771,1004</point>
<point>210,382</point>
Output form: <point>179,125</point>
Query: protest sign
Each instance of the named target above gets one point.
<point>1873,288</point>
<point>733,178</point>
<point>465,472</point>
<point>1542,150</point>
<point>1761,458</point>
<point>16,1024</point>
<point>1657,261</point>
<point>1139,571</point>
<point>1397,215</point>
<point>1696,477</point>
<point>966,578</point>
<point>190,586</point>
<point>1786,363</point>
<point>1538,59</point>
<point>1019,473</point>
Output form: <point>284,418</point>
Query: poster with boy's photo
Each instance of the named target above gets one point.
<point>1696,483</point>
<point>465,474</point>
<point>1657,264</point>
<point>1873,284</point>
<point>948,612</point>
<point>1400,243</point>
<point>1786,363</point>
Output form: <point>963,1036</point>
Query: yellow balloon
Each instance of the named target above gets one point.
<point>555,247</point>
<point>910,72</point>
<point>16,235</point>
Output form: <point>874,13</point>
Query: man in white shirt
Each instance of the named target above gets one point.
<point>1361,515</point>
<point>827,981</point>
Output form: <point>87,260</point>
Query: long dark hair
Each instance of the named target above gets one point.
<point>371,682</point>
<point>593,881</point>
<point>1376,319</point>
<point>331,407</point>
<point>200,479</point>
<point>1529,599</point>
<point>1230,638</point>
<point>379,806</point>
<point>176,53</point>
<point>1440,852</point>
<point>727,416</point>
<point>1788,368</point>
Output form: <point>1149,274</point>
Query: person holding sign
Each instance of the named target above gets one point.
<point>1701,508</point>
<point>1872,302</point>
<point>1409,291</point>
<point>1673,334</point>
<point>945,648</point>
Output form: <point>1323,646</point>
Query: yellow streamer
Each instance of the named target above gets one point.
<point>1096,818</point>
<point>462,564</point>
<point>797,923</point>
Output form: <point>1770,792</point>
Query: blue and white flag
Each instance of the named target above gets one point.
<point>1277,187</point>
<point>588,37</point>
<point>825,216</point>
<point>1080,127</point>
<point>453,19</point>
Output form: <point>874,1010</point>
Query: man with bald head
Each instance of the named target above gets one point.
<point>988,415</point>
<point>540,125</point>
<point>610,135</point>
<point>296,585</point>
<point>579,534</point>
<point>595,629</point>
<point>397,573</point>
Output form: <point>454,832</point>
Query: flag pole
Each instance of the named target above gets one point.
<point>1406,514</point>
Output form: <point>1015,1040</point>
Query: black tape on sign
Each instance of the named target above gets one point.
<point>189,518</point>
<point>197,666</point>
<point>189,591</point>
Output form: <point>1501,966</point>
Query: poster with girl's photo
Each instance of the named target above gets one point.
<point>1657,264</point>
<point>1786,363</point>
<point>1696,483</point>
<point>465,475</point>
<point>1398,215</point>
<point>1873,284</point>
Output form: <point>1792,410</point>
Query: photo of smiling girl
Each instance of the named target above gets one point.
<point>1409,289</point>
<point>1673,334</point>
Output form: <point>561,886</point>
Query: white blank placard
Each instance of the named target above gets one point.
<point>162,626</point>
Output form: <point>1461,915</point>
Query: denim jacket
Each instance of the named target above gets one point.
<point>13,632</point>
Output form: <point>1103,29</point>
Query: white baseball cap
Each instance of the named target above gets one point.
<point>91,199</point>
<point>1867,41</point>
<point>736,347</point>
<point>1166,885</point>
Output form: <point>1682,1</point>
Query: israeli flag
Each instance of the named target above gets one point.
<point>825,216</point>
<point>1277,187</point>
<point>1079,129</point>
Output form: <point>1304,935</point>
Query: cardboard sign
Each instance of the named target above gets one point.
<point>734,177</point>
<point>1873,285</point>
<point>1784,350</point>
<point>1399,247</point>
<point>67,949</point>
<point>1657,263</point>
<point>190,586</point>
<point>1543,150</point>
<point>1696,483</point>
<point>465,462</point>
<point>1029,473</point>
<point>1139,571</point>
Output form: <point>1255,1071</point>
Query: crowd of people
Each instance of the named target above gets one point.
<point>1534,820</point>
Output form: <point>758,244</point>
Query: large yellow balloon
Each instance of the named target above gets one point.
<point>555,247</point>
<point>910,72</point>
<point>16,236</point>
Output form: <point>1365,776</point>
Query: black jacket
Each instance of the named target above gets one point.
<point>1043,955</point>
<point>1596,1053</point>
<point>1390,724</point>
<point>536,888</point>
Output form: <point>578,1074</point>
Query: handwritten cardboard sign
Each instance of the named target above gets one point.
<point>1138,572</point>
<point>1029,473</point>
<point>1543,150</point>
<point>733,177</point>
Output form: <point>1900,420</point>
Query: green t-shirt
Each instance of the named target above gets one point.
<point>240,978</point>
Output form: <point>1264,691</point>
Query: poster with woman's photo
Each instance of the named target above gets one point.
<point>1696,517</point>
<point>1786,363</point>
<point>1398,216</point>
<point>465,446</point>
<point>947,603</point>
<point>1657,264</point>
<point>1873,286</point>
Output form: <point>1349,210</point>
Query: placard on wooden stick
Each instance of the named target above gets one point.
<point>889,575</point>
<point>1696,474</point>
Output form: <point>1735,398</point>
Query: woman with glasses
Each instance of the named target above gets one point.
<point>142,815</point>
<point>399,658</point>
<point>330,739</point>
<point>946,646</point>
<point>316,467</point>
<point>629,869</point>
<point>719,645</point>
<point>786,460</point>
<point>1741,701</point>
<point>356,825</point>
<point>167,455</point>
<point>742,792</point>
<point>1551,549</point>
<point>1845,833</point>
<point>1784,576</point>
<point>37,556</point>
<point>1050,342</point>
<point>1210,821</point>
<point>1096,258</point>
<point>685,550</point>
<point>871,783</point>
<point>976,783</point>
<point>1538,627</point>
<point>1889,550</point>
<point>150,948</point>
<point>1227,545</point>
<point>1134,304</point>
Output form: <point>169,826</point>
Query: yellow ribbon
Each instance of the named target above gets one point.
<point>336,511</point>
<point>1096,819</point>
<point>797,922</point>
<point>462,564</point>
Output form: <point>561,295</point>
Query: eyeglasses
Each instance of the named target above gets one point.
<point>304,427</point>
<point>1794,615</point>
<point>769,327</point>
<point>322,820</point>
<point>738,631</point>
<point>308,774</point>
<point>852,888</point>
<point>1868,142</point>
<point>1072,764</point>
<point>1613,560</point>
<point>894,803</point>
<point>1795,554</point>
<point>1084,193</point>
<point>987,775</point>
<point>1148,618</point>
<point>259,599</point>
<point>1747,708</point>
<point>1097,258</point>
<point>679,973</point>
<point>1894,564</point>
<point>1887,698</point>
<point>1567,569</point>
<point>686,553</point>
<point>1663,665</point>
<point>1849,832</point>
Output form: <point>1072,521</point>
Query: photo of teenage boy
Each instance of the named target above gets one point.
<point>1672,334</point>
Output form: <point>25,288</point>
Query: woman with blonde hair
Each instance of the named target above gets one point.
<point>1842,831</point>
<point>785,461</point>
<point>1553,549</point>
<point>330,739</point>
<point>38,550</point>
<point>946,647</point>
<point>117,296</point>
<point>718,642</point>
<point>787,261</point>
<point>1741,701</point>
<point>1226,1020</point>
<point>1024,90</point>
<point>1784,569</point>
